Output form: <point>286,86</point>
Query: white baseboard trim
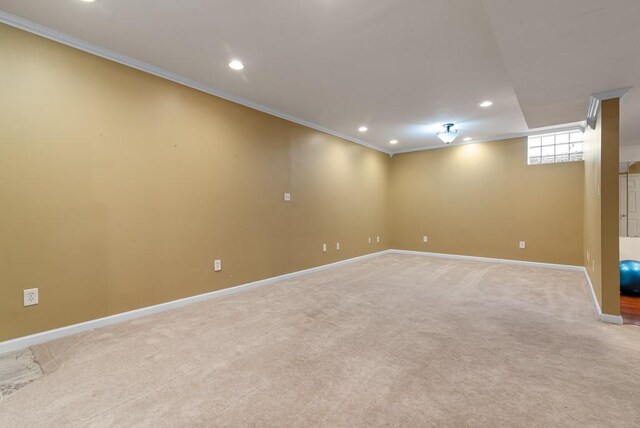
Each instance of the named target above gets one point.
<point>490,260</point>
<point>611,319</point>
<point>46,336</point>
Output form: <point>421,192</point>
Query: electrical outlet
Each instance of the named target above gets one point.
<point>425,238</point>
<point>217,265</point>
<point>324,248</point>
<point>522,244</point>
<point>593,264</point>
<point>30,297</point>
<point>588,255</point>
<point>377,239</point>
<point>369,240</point>
<point>337,245</point>
<point>287,197</point>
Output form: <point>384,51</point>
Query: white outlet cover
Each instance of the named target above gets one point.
<point>523,244</point>
<point>377,239</point>
<point>217,265</point>
<point>369,240</point>
<point>324,248</point>
<point>287,197</point>
<point>31,297</point>
<point>425,238</point>
<point>337,245</point>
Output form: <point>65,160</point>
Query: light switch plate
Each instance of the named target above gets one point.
<point>217,265</point>
<point>425,238</point>
<point>287,197</point>
<point>324,248</point>
<point>369,240</point>
<point>522,244</point>
<point>377,239</point>
<point>337,245</point>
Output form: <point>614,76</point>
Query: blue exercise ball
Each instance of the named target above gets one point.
<point>630,277</point>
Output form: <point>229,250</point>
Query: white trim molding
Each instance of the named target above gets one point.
<point>534,131</point>
<point>46,336</point>
<point>611,319</point>
<point>65,39</point>
<point>597,98</point>
<point>489,260</point>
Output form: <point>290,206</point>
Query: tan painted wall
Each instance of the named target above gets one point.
<point>601,193</point>
<point>482,199</point>
<point>119,189</point>
<point>592,231</point>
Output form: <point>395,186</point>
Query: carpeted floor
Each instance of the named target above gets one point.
<point>395,340</point>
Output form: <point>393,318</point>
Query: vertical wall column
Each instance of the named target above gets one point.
<point>610,159</point>
<point>601,205</point>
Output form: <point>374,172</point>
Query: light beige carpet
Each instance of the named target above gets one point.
<point>395,340</point>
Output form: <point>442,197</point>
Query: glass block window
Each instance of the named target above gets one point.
<point>565,146</point>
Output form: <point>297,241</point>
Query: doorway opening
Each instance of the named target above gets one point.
<point>629,178</point>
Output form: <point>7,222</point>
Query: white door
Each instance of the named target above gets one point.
<point>623,205</point>
<point>633,205</point>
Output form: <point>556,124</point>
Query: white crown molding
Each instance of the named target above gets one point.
<point>41,30</point>
<point>597,98</point>
<point>614,93</point>
<point>534,131</point>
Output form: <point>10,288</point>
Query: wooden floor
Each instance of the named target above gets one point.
<point>630,309</point>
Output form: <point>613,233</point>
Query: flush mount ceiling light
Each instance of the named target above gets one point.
<point>236,65</point>
<point>363,129</point>
<point>88,1</point>
<point>449,134</point>
<point>393,142</point>
<point>485,104</point>
<point>467,139</point>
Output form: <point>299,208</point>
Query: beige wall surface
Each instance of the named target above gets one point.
<point>592,231</point>
<point>601,193</point>
<point>119,189</point>
<point>482,199</point>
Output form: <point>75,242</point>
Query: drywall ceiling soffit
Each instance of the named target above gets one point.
<point>558,53</point>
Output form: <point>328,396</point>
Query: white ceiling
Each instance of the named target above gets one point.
<point>557,53</point>
<point>402,67</point>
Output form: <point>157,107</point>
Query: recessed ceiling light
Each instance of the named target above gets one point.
<point>363,129</point>
<point>88,1</point>
<point>236,65</point>
<point>486,104</point>
<point>467,139</point>
<point>393,142</point>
